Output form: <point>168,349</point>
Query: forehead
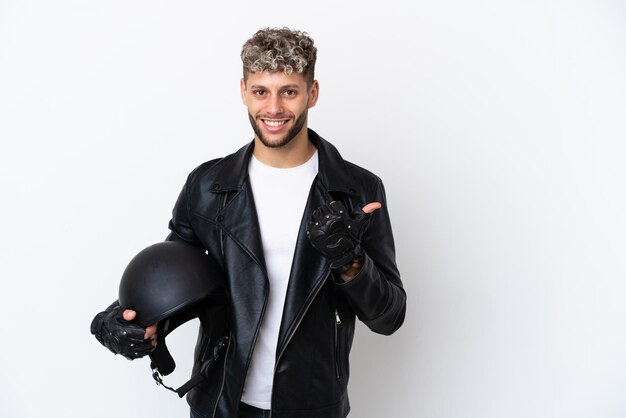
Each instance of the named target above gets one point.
<point>275,79</point>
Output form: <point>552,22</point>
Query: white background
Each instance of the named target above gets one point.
<point>498,128</point>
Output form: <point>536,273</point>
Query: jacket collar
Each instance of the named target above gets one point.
<point>333,171</point>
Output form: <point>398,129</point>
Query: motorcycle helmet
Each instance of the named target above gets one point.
<point>171,283</point>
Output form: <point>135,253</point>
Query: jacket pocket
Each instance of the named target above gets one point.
<point>336,340</point>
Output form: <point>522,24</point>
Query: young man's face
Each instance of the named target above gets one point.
<point>277,105</point>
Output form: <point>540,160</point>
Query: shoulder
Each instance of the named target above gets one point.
<point>341,175</point>
<point>367,184</point>
<point>361,174</point>
<point>209,171</point>
<point>204,170</point>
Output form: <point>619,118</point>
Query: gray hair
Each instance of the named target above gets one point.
<point>279,49</point>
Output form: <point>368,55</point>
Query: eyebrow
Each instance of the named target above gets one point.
<point>288,86</point>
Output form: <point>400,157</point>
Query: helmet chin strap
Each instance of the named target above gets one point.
<point>163,364</point>
<point>197,377</point>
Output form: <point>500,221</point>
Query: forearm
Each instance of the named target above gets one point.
<point>376,296</point>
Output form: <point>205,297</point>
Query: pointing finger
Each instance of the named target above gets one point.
<point>371,207</point>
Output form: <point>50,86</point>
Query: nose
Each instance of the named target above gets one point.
<point>274,105</point>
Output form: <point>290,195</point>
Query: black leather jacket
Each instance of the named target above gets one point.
<point>216,210</point>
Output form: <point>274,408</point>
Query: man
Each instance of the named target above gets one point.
<point>305,240</point>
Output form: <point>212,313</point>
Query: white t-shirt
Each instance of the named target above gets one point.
<point>280,196</point>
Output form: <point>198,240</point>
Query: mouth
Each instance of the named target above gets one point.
<point>274,125</point>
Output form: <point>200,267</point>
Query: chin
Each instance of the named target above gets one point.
<point>275,142</point>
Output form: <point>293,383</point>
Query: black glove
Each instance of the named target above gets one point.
<point>118,335</point>
<point>337,235</point>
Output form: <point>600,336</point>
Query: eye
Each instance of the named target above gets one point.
<point>290,92</point>
<point>258,92</point>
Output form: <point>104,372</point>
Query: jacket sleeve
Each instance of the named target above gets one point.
<point>376,293</point>
<point>180,224</point>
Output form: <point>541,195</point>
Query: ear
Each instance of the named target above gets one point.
<point>242,85</point>
<point>314,92</point>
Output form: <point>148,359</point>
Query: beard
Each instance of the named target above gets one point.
<point>281,142</point>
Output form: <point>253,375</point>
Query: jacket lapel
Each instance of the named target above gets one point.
<point>237,213</point>
<point>238,219</point>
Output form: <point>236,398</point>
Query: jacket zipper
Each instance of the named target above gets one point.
<point>337,323</point>
<point>221,230</point>
<point>293,332</point>
<point>230,335</point>
<point>219,395</point>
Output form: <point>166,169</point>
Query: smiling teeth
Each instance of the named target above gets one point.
<point>275,122</point>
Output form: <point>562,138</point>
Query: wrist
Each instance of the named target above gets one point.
<point>352,271</point>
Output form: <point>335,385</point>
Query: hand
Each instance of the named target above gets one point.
<point>112,330</point>
<point>337,235</point>
<point>150,333</point>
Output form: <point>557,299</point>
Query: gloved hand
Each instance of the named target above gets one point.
<point>120,336</point>
<point>337,234</point>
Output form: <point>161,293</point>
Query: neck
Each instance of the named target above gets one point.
<point>297,152</point>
